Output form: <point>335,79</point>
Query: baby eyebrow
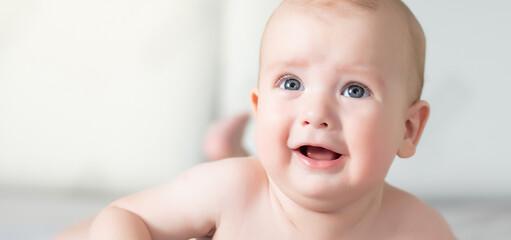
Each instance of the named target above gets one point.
<point>288,64</point>
<point>360,70</point>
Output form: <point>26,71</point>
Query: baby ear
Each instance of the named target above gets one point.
<point>254,97</point>
<point>418,115</point>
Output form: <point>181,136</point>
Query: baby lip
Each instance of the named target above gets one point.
<point>318,153</point>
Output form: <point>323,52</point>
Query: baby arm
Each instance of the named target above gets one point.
<point>118,223</point>
<point>187,207</point>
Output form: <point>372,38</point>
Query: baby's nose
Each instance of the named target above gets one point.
<point>318,114</point>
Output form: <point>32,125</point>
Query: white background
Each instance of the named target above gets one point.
<point>116,95</point>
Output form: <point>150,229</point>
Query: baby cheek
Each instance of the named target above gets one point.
<point>270,134</point>
<point>371,148</point>
<point>270,150</point>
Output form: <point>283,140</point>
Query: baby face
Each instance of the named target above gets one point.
<point>332,101</point>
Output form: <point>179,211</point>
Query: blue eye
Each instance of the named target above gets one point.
<point>355,91</point>
<point>291,84</point>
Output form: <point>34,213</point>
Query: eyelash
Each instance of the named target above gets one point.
<point>282,80</point>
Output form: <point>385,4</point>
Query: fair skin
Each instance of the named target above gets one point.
<point>332,110</point>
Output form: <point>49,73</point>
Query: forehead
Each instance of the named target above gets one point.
<point>301,35</point>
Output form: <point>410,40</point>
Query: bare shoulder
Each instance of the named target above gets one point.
<point>231,183</point>
<point>410,218</point>
<point>233,177</point>
<point>192,204</point>
<point>231,174</point>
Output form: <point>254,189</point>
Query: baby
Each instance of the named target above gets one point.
<point>338,98</point>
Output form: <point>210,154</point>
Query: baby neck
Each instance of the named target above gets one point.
<point>347,222</point>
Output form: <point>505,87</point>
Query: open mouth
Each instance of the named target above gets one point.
<point>319,153</point>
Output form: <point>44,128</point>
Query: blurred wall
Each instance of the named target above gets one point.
<point>116,94</point>
<point>111,95</point>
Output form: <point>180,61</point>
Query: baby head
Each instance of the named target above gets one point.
<point>338,96</point>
